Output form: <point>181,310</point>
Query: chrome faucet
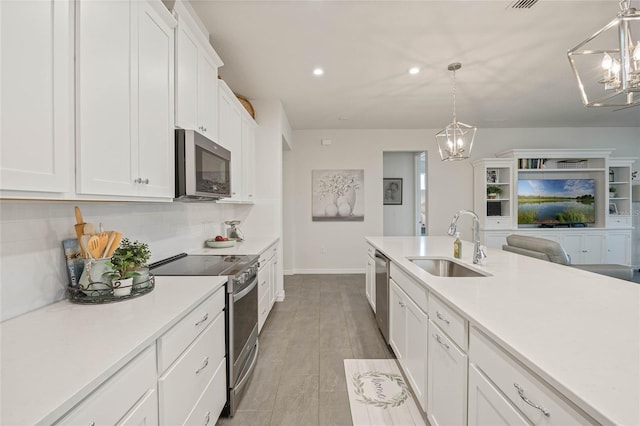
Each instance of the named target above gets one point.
<point>478,254</point>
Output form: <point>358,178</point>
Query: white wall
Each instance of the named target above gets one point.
<point>32,266</point>
<point>400,219</point>
<point>449,184</point>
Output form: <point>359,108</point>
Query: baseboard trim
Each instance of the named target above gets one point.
<point>325,271</point>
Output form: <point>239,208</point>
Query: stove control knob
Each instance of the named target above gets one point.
<point>240,279</point>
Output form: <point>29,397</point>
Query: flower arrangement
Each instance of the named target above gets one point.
<point>337,184</point>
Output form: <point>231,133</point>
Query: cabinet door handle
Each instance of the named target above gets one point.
<point>204,365</point>
<point>138,180</point>
<point>204,318</point>
<point>528,401</point>
<point>93,423</point>
<point>442,318</point>
<point>146,181</point>
<point>402,305</point>
<point>207,419</point>
<point>440,341</point>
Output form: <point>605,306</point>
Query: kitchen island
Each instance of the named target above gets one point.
<point>577,331</point>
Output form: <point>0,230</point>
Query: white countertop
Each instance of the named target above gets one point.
<point>578,330</point>
<point>54,357</point>
<point>246,247</point>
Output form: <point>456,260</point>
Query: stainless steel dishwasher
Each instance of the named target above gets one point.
<point>382,294</point>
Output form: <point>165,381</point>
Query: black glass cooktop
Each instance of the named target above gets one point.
<point>201,265</point>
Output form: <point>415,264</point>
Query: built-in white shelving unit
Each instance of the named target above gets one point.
<point>603,237</point>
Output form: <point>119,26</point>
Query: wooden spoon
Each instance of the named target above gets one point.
<point>112,236</point>
<point>94,247</point>
<point>115,243</point>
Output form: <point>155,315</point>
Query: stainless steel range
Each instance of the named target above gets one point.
<point>241,311</point>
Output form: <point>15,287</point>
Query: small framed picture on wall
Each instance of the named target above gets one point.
<point>392,191</point>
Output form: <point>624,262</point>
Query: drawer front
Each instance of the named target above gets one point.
<point>176,340</point>
<point>519,385</point>
<point>144,413</point>
<point>181,386</point>
<point>449,321</point>
<point>498,222</point>
<point>263,282</point>
<point>212,400</point>
<point>264,306</point>
<point>614,221</point>
<point>119,394</point>
<point>487,405</point>
<point>414,290</point>
<point>268,254</point>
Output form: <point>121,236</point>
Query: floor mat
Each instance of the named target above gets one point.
<point>378,394</point>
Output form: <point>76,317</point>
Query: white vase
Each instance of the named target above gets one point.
<point>331,210</point>
<point>122,287</point>
<point>350,196</point>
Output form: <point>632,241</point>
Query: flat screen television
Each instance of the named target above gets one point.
<point>556,202</point>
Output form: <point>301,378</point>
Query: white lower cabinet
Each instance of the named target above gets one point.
<point>126,397</point>
<point>181,386</point>
<point>212,401</point>
<point>267,283</point>
<point>447,392</point>
<point>408,339</point>
<point>370,281</point>
<point>619,247</point>
<point>537,401</point>
<point>487,406</point>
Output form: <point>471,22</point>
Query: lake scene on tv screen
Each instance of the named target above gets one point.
<point>556,201</point>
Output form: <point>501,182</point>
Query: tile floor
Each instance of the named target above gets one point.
<point>299,379</point>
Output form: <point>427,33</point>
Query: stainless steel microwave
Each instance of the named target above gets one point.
<point>202,168</point>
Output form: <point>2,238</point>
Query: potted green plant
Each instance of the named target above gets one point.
<point>612,191</point>
<point>129,262</point>
<point>493,191</point>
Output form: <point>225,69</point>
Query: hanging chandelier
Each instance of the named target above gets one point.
<point>456,140</point>
<point>607,64</point>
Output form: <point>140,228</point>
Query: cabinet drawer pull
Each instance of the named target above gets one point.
<point>206,317</point>
<point>402,305</point>
<point>440,341</point>
<point>528,401</point>
<point>207,419</point>
<point>442,318</point>
<point>204,365</point>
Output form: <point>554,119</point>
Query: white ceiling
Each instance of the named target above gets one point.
<point>515,71</point>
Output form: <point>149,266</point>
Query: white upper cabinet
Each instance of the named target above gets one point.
<point>248,157</point>
<point>36,113</point>
<point>196,67</point>
<point>237,134</point>
<point>124,97</point>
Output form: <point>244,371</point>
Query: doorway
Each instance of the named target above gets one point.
<point>404,214</point>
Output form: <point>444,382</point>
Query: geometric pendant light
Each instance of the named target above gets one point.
<point>607,64</point>
<point>456,140</point>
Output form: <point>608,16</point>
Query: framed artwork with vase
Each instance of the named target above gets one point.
<point>337,195</point>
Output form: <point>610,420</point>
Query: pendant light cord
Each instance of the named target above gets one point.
<point>455,120</point>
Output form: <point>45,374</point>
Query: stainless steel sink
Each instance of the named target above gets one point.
<point>445,268</point>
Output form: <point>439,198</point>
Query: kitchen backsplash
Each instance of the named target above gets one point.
<point>32,266</point>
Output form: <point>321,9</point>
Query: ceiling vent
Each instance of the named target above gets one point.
<point>523,4</point>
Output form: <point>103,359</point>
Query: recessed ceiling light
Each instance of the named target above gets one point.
<point>414,70</point>
<point>318,71</point>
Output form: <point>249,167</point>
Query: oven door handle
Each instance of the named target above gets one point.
<point>246,291</point>
<point>247,373</point>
